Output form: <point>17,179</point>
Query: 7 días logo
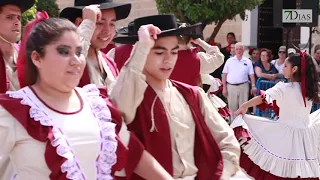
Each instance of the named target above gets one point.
<point>297,15</point>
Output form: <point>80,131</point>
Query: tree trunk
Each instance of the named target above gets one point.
<point>217,28</point>
<point>181,17</point>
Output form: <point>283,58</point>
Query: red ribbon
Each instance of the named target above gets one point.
<point>228,48</point>
<point>212,43</point>
<point>22,59</point>
<point>251,50</point>
<point>303,76</point>
<point>196,49</point>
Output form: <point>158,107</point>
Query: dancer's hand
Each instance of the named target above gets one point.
<point>195,41</point>
<point>92,13</point>
<point>242,110</point>
<point>148,34</point>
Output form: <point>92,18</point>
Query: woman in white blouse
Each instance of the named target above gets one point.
<point>53,130</point>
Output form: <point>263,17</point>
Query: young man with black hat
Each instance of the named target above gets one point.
<point>96,20</point>
<point>190,63</point>
<point>176,122</point>
<point>10,33</point>
<point>205,63</point>
<point>121,53</point>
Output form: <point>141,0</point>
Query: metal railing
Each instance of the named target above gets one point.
<point>263,84</point>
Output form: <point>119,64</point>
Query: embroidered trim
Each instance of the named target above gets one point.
<point>107,157</point>
<point>70,166</point>
<point>284,158</point>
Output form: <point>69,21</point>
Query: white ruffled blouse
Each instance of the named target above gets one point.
<point>86,138</point>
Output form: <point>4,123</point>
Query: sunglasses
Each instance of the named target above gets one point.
<point>282,52</point>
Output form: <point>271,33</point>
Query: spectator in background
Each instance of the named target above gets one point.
<point>291,51</point>
<point>255,55</point>
<point>316,53</point>
<point>263,68</point>
<point>226,51</point>
<point>316,61</point>
<point>235,79</point>
<point>232,49</point>
<point>279,63</point>
<point>231,39</point>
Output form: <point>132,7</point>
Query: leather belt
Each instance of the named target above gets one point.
<point>238,84</point>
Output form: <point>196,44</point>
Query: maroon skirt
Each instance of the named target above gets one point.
<point>224,112</point>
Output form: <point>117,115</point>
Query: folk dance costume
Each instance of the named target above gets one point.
<point>9,79</point>
<point>215,86</point>
<point>178,125</point>
<point>9,74</point>
<point>44,143</point>
<point>106,71</point>
<point>103,76</point>
<point>284,149</point>
<point>120,54</point>
<point>190,63</point>
<point>189,67</point>
<point>108,48</point>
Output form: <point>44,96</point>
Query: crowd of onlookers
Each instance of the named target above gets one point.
<point>242,62</point>
<point>264,63</point>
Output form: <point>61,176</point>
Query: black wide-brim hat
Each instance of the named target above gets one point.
<point>167,24</point>
<point>24,5</point>
<point>122,10</point>
<point>127,30</point>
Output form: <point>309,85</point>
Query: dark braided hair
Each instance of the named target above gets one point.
<point>312,77</point>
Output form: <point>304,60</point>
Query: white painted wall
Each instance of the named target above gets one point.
<point>250,28</point>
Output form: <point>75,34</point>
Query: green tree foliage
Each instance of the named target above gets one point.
<point>50,6</point>
<point>207,11</point>
<point>28,15</point>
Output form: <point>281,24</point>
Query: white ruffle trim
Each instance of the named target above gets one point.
<point>268,98</point>
<point>210,80</point>
<point>216,102</point>
<point>107,157</point>
<point>281,166</point>
<point>215,85</point>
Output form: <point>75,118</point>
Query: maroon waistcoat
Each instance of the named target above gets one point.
<point>187,68</point>
<point>4,81</point>
<point>108,48</point>
<point>122,54</point>
<point>208,158</point>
